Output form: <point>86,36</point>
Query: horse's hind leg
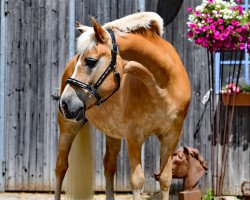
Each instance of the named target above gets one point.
<point>68,131</point>
<point>168,145</point>
<point>113,146</point>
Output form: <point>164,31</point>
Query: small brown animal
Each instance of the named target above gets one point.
<point>188,164</point>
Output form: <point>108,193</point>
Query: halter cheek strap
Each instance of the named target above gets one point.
<point>112,67</point>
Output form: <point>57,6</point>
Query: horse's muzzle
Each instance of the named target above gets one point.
<point>71,112</point>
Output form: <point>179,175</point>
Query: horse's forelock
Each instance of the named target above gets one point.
<point>86,41</point>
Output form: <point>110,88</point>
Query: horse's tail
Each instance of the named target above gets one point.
<point>79,180</point>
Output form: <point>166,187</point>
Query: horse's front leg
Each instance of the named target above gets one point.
<point>68,131</point>
<point>113,146</point>
<point>137,178</point>
<point>168,145</point>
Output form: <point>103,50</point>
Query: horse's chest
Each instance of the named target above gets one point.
<point>115,120</point>
<point>108,120</point>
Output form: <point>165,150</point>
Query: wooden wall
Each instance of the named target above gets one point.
<point>39,43</point>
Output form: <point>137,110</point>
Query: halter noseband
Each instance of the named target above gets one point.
<point>112,67</point>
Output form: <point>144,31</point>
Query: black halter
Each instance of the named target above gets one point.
<point>112,67</point>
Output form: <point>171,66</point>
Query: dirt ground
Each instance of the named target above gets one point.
<point>42,196</point>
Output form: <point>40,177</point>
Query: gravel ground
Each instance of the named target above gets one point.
<point>42,196</point>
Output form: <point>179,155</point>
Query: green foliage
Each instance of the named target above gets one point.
<point>209,196</point>
<point>244,85</point>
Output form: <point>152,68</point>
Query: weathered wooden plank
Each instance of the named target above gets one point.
<point>3,67</point>
<point>20,89</point>
<point>54,82</point>
<point>99,153</point>
<point>40,95</point>
<point>113,10</point>
<point>123,171</point>
<point>121,10</point>
<point>33,107</point>
<point>152,164</point>
<point>107,11</point>
<point>49,31</point>
<point>13,104</point>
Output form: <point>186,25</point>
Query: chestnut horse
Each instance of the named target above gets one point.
<point>132,92</point>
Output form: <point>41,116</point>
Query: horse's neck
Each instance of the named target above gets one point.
<point>148,50</point>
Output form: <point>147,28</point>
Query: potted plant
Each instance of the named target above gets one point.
<point>237,95</point>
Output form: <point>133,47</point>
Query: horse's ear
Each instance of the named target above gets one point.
<point>100,33</point>
<point>81,28</point>
<point>186,151</point>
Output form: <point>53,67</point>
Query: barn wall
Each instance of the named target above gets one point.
<point>36,55</point>
<point>40,42</point>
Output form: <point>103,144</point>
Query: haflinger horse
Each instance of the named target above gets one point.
<point>129,83</point>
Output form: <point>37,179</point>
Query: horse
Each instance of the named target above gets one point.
<point>129,83</point>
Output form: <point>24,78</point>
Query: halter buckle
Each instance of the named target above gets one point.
<point>114,48</point>
<point>100,102</point>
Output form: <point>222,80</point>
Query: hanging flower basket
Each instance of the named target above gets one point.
<point>219,25</point>
<point>241,99</point>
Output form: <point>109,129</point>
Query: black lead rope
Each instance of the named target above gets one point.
<point>112,67</point>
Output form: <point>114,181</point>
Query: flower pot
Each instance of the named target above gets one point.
<point>241,99</point>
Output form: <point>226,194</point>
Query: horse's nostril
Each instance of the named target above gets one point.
<point>64,106</point>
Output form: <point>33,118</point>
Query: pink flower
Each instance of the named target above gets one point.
<point>197,13</point>
<point>231,88</point>
<point>199,40</point>
<point>220,21</point>
<point>240,9</point>
<point>217,35</point>
<point>209,20</point>
<point>190,34</point>
<point>221,28</point>
<point>238,30</point>
<point>189,9</point>
<point>244,27</point>
<point>210,1</point>
<point>198,30</point>
<point>205,44</point>
<point>229,28</point>
<point>212,27</point>
<point>238,90</point>
<point>235,23</point>
<point>242,46</point>
<point>204,28</point>
<point>192,25</point>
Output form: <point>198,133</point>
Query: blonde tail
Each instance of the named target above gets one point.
<point>79,177</point>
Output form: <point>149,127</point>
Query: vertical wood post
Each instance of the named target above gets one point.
<point>3,43</point>
<point>71,28</point>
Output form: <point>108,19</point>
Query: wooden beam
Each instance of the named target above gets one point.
<point>3,43</point>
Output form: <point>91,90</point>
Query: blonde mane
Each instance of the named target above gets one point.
<point>147,20</point>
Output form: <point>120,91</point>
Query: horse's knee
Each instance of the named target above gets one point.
<point>109,165</point>
<point>165,181</point>
<point>61,166</point>
<point>137,178</point>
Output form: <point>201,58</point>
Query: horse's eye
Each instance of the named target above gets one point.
<point>91,62</point>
